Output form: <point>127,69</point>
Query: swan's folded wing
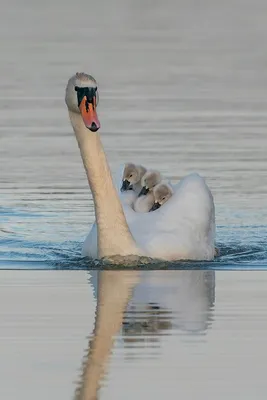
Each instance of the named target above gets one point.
<point>184,227</point>
<point>89,248</point>
<point>192,202</point>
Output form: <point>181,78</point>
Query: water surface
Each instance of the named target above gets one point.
<point>182,89</point>
<point>117,334</point>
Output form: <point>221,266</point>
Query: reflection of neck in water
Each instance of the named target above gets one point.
<point>113,293</point>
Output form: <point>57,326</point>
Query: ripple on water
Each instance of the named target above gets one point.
<point>241,248</point>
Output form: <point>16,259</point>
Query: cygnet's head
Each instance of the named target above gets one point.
<point>150,179</point>
<point>132,175</point>
<point>82,98</point>
<point>162,192</point>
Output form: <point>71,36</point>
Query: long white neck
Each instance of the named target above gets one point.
<point>113,234</point>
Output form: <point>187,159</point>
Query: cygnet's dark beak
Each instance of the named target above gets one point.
<point>144,191</point>
<point>155,206</point>
<point>125,185</point>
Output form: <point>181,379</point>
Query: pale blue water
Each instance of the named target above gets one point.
<point>182,88</point>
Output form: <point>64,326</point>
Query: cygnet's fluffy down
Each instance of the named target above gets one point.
<point>145,199</point>
<point>162,192</point>
<point>131,183</point>
<point>144,203</point>
<point>132,175</point>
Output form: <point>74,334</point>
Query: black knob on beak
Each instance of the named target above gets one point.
<point>94,127</point>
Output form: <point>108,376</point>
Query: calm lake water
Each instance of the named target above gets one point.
<point>182,88</point>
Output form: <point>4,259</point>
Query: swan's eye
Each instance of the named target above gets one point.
<point>163,198</point>
<point>130,176</point>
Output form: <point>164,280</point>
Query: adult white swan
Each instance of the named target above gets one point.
<point>183,228</point>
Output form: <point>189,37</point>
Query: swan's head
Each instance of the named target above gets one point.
<point>82,98</point>
<point>149,181</point>
<point>132,174</point>
<point>162,192</point>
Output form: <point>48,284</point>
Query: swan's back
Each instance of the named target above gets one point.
<point>194,201</point>
<point>183,228</point>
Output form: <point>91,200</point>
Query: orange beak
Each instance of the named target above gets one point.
<point>89,115</point>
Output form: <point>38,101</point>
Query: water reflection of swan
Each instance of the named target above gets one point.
<point>170,300</point>
<point>140,302</point>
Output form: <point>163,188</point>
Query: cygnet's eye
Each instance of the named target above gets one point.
<point>163,198</point>
<point>130,176</point>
